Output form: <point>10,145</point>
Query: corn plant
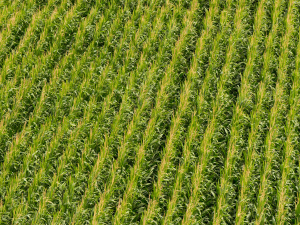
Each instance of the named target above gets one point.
<point>111,144</point>
<point>99,93</point>
<point>286,193</point>
<point>28,95</point>
<point>200,208</point>
<point>266,205</point>
<point>103,126</point>
<point>185,35</point>
<point>42,28</point>
<point>259,116</point>
<point>205,96</point>
<point>16,27</point>
<point>172,152</point>
<point>47,105</point>
<point>8,9</point>
<point>228,188</point>
<point>149,112</point>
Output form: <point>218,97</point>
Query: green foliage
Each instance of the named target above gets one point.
<point>149,112</point>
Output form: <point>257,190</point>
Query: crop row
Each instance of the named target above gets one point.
<point>120,50</point>
<point>94,128</point>
<point>17,26</point>
<point>47,105</point>
<point>149,112</point>
<point>250,177</point>
<point>39,34</point>
<point>162,189</point>
<point>32,125</point>
<point>27,95</point>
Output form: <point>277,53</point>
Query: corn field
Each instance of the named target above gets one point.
<point>149,112</point>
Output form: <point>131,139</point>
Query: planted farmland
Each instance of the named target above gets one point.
<point>149,112</point>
